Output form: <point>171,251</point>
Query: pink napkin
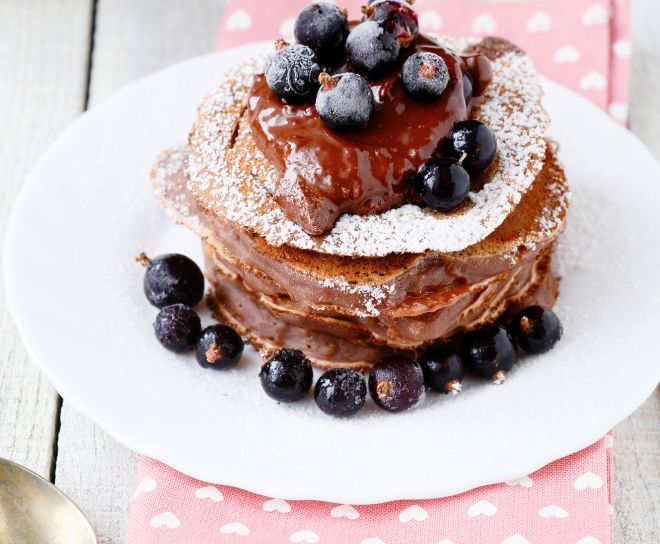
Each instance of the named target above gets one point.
<point>567,501</point>
<point>583,44</point>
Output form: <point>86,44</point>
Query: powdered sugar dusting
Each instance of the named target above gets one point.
<point>512,108</point>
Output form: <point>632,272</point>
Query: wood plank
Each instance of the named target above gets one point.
<point>636,486</point>
<point>45,48</point>
<point>132,39</point>
<point>645,74</point>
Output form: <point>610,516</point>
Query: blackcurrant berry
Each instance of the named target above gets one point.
<point>340,392</point>
<point>536,329</point>
<point>287,375</point>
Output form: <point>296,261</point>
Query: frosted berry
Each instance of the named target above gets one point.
<point>340,392</point>
<point>371,50</point>
<point>396,16</point>
<point>219,347</point>
<point>536,329</point>
<point>489,352</point>
<point>345,101</point>
<point>287,376</point>
<point>396,383</point>
<point>172,279</point>
<point>292,73</point>
<point>425,75</point>
<point>323,27</point>
<point>177,327</point>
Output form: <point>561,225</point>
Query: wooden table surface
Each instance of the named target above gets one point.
<point>58,59</point>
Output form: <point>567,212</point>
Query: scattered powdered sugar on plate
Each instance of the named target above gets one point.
<point>239,193</point>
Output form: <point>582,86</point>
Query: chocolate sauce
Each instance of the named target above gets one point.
<point>326,173</point>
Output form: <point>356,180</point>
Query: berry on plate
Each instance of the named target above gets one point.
<point>442,183</point>
<point>324,28</point>
<point>443,369</point>
<point>292,72</point>
<point>344,101</point>
<point>425,75</point>
<point>340,392</point>
<point>172,279</point>
<point>219,347</point>
<point>396,383</point>
<point>177,327</point>
<point>536,329</point>
<point>371,50</point>
<point>287,376</point>
<point>489,352</point>
<point>474,141</point>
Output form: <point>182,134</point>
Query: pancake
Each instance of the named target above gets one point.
<point>420,297</point>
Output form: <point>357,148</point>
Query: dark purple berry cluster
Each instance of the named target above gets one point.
<point>444,183</point>
<point>398,383</point>
<point>175,284</point>
<point>344,100</point>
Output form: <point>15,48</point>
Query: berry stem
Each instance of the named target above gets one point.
<point>499,377</point>
<point>454,387</point>
<point>426,71</point>
<point>367,11</point>
<point>463,157</point>
<point>281,44</point>
<point>143,259</point>
<point>327,81</point>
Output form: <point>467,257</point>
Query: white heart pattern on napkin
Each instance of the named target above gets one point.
<point>622,48</point>
<point>596,15</point>
<point>287,26</point>
<point>277,505</point>
<point>525,481</point>
<point>239,20</point>
<point>553,511</point>
<point>445,541</point>
<point>539,22</point>
<point>305,537</point>
<point>619,111</point>
<point>588,479</point>
<point>145,486</point>
<point>516,539</point>
<point>372,541</point>
<point>344,511</point>
<point>235,528</point>
<point>593,80</point>
<point>430,20</point>
<point>482,508</point>
<point>566,54</point>
<point>484,24</point>
<point>210,492</point>
<point>588,540</point>
<point>414,512</point>
<point>165,519</point>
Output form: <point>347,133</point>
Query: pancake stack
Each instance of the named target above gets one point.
<point>378,283</point>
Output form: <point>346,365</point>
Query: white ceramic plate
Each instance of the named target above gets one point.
<point>76,294</point>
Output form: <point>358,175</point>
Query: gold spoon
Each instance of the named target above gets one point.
<point>34,511</point>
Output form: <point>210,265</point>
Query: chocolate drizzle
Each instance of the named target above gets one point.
<point>324,173</point>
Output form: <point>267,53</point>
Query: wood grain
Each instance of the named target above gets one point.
<point>43,62</point>
<point>131,40</point>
